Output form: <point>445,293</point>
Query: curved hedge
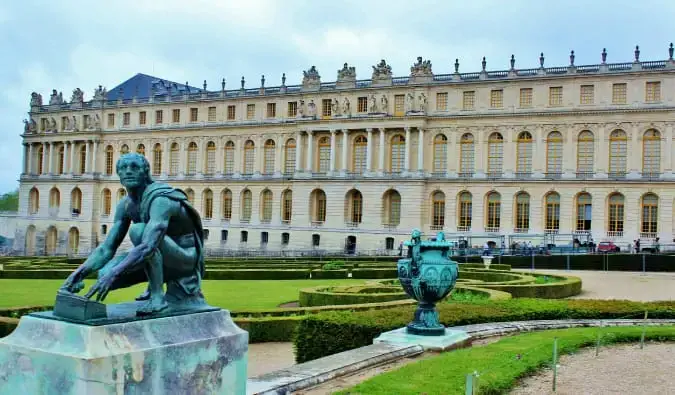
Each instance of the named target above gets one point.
<point>568,286</point>
<point>329,274</point>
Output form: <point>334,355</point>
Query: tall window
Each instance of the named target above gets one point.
<point>555,96</point>
<point>318,206</point>
<point>619,93</point>
<point>250,111</point>
<point>271,110</point>
<point>584,212</point>
<point>496,98</point>
<point>207,202</point>
<point>194,114</point>
<point>174,159</point>
<point>246,205</point>
<point>175,117</point>
<point>617,153</point>
<point>354,207</point>
<point>286,206</point>
<point>249,157</point>
<point>522,212</point>
<point>587,94</point>
<point>468,100</point>
<point>40,157</point>
<point>210,167</point>
<point>554,151</point>
<point>392,208</point>
<point>466,154</point>
<point>438,210</point>
<point>190,195</point>
<point>524,154</point>
<point>653,92</point>
<point>76,201</point>
<point>359,154</point>
<point>266,206</point>
<point>106,198</point>
<point>157,160</point>
<point>54,198</point>
<point>651,153</point>
<point>397,153</point>
<point>585,153</point>
<point>109,160</point>
<point>229,158</point>
<point>83,159</point>
<point>441,101</point>
<point>73,240</point>
<point>212,114</point>
<point>292,109</point>
<point>227,204</point>
<point>526,97</point>
<point>615,218</point>
<point>121,194</point>
<point>362,104</point>
<point>494,212</point>
<point>399,106</point>
<point>326,107</point>
<point>552,212</point>
<point>126,118</point>
<point>192,159</point>
<point>440,153</point>
<point>495,155</point>
<point>124,150</point>
<point>33,201</point>
<point>111,120</point>
<point>270,153</point>
<point>289,164</point>
<point>231,113</point>
<point>465,212</point>
<point>140,149</point>
<point>61,159</point>
<point>159,117</point>
<point>142,118</point>
<point>52,237</point>
<point>650,215</point>
<point>324,154</point>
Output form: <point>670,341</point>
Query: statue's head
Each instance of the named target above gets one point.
<point>440,236</point>
<point>416,234</point>
<point>133,170</point>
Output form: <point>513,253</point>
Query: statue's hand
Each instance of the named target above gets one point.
<point>74,282</point>
<point>102,286</point>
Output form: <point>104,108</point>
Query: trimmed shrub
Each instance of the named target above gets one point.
<point>493,266</point>
<point>269,329</point>
<point>329,296</point>
<point>566,287</point>
<point>374,273</point>
<point>324,274</point>
<point>256,274</point>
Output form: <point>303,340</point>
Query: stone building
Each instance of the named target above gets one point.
<point>566,152</point>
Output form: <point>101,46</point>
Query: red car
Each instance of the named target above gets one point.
<point>608,246</point>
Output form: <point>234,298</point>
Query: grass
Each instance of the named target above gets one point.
<point>229,294</point>
<point>546,280</point>
<point>499,365</point>
<point>467,297</point>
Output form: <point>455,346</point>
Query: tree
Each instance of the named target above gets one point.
<point>10,201</point>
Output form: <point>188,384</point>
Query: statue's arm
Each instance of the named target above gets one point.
<point>106,251</point>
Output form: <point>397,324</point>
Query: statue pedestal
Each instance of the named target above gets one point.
<point>451,340</point>
<point>487,260</point>
<point>196,353</point>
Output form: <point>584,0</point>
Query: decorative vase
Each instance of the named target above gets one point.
<point>427,275</point>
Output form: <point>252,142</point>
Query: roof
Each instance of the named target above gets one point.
<point>141,85</point>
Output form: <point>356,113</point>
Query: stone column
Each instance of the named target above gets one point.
<point>201,157</point>
<point>25,155</point>
<point>278,163</point>
<point>345,147</point>
<point>332,150</point>
<point>298,152</point>
<point>72,156</point>
<point>65,157</point>
<point>166,154</point>
<point>665,149</point>
<point>310,152</point>
<point>44,158</point>
<point>380,164</point>
<point>420,151</point>
<point>601,153</point>
<point>182,170</point>
<point>50,170</point>
<point>369,151</point>
<point>634,159</point>
<point>406,162</point>
<point>30,159</point>
<point>93,165</point>
<point>87,155</point>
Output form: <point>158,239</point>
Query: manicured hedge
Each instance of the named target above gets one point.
<point>330,274</point>
<point>269,329</point>
<point>493,266</point>
<point>613,262</point>
<point>495,276</point>
<point>374,273</point>
<point>569,286</point>
<point>328,296</point>
<point>332,332</point>
<point>256,274</point>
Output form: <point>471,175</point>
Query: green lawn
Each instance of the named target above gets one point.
<point>229,294</point>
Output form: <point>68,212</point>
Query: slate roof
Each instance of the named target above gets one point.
<point>140,86</point>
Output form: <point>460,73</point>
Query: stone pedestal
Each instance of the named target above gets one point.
<point>450,340</point>
<point>197,353</point>
<point>487,260</point>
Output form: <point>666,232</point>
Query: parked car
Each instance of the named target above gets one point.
<point>608,246</point>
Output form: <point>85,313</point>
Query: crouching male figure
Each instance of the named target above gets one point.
<point>167,237</point>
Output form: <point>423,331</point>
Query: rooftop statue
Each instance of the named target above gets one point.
<point>381,70</point>
<point>78,96</point>
<point>421,67</point>
<point>35,99</point>
<point>311,74</point>
<point>55,98</point>
<point>100,93</point>
<point>167,235</point>
<point>346,72</point>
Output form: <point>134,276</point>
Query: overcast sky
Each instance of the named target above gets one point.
<point>64,44</point>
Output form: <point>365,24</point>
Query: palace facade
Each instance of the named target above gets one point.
<point>568,152</point>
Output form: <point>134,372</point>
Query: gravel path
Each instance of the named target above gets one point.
<point>624,369</point>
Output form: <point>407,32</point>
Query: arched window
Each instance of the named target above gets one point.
<point>140,149</point>
<point>31,236</point>
<point>76,201</point>
<point>62,160</point>
<point>289,154</point>
<point>324,154</point>
<point>227,204</point>
<point>249,157</point>
<point>584,212</point>
<point>207,202</point>
<point>522,212</point>
<point>318,206</point>
<point>359,154</point>
<point>210,165</point>
<point>286,206</point>
<point>192,159</point>
<point>54,199</point>
<point>438,210</point>
<point>650,215</point>
<point>229,158</point>
<point>190,195</point>
<point>585,153</point>
<point>554,151</point>
<point>266,206</point>
<point>392,208</point>
<point>465,212</point>
<point>106,201</point>
<point>246,205</point>
<point>73,240</point>
<point>270,153</point>
<point>466,154</point>
<point>617,153</point>
<point>354,207</point>
<point>40,158</point>
<point>157,160</point>
<point>124,149</point>
<point>109,160</point>
<point>494,212</point>
<point>440,154</point>
<point>552,220</point>
<point>174,159</point>
<point>83,159</point>
<point>524,154</point>
<point>121,194</point>
<point>33,201</point>
<point>651,153</point>
<point>52,240</point>
<point>495,155</point>
<point>397,153</point>
<point>615,218</point>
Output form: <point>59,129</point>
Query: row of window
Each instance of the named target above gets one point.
<point>51,240</point>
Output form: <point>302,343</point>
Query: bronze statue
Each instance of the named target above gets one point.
<point>168,238</point>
